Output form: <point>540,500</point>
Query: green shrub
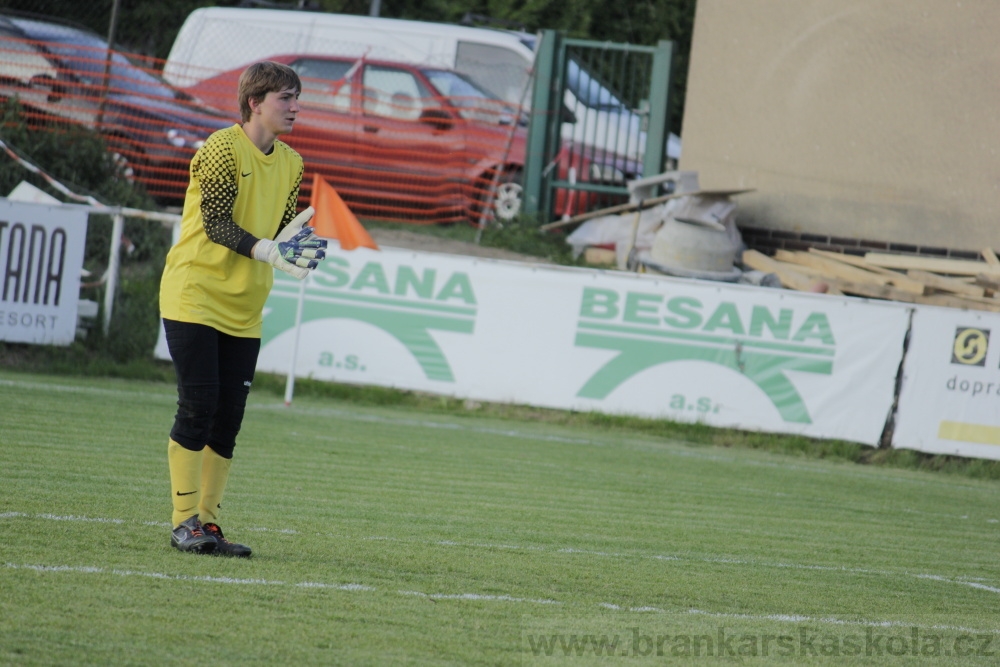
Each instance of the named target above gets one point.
<point>78,158</point>
<point>524,236</point>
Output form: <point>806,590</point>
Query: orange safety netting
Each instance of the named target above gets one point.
<point>396,141</point>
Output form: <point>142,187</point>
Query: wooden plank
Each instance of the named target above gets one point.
<point>874,291</point>
<point>900,280</point>
<point>946,284</point>
<point>790,276</point>
<point>601,256</point>
<point>820,279</point>
<point>990,257</point>
<point>959,267</point>
<point>853,274</point>
<point>950,301</point>
<point>991,283</point>
<point>639,206</point>
<point>795,276</point>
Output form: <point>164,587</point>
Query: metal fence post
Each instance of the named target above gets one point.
<point>542,108</point>
<point>659,110</point>
<point>114,261</point>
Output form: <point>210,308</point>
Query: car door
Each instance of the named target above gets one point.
<point>410,145</point>
<point>326,129</point>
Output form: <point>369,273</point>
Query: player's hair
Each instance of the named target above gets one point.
<point>262,78</point>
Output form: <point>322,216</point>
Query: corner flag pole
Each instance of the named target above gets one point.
<point>290,381</point>
<point>333,220</point>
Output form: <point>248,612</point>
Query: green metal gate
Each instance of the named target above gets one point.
<point>598,119</point>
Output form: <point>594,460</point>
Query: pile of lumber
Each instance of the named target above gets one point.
<point>955,283</point>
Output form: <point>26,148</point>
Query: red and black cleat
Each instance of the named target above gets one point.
<point>224,547</point>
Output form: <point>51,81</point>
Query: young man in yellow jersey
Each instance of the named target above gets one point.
<point>243,191</point>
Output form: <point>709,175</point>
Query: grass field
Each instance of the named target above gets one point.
<point>389,536</point>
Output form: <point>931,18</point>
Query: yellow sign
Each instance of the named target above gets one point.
<point>981,433</point>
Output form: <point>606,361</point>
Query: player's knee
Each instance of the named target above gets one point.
<point>196,409</point>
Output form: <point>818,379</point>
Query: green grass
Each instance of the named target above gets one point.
<point>424,534</point>
<point>520,236</point>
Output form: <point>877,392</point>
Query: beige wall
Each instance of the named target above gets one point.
<point>873,119</point>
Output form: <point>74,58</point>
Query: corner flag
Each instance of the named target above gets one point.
<point>333,220</point>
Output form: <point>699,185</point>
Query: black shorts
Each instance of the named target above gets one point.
<point>214,373</point>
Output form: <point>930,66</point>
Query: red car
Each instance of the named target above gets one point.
<point>401,142</point>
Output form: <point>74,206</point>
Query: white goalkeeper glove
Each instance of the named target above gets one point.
<point>296,224</point>
<point>296,256</point>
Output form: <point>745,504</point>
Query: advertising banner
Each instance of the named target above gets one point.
<point>41,256</point>
<point>722,354</point>
<point>949,401</point>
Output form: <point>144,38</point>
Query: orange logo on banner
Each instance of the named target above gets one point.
<point>333,220</point>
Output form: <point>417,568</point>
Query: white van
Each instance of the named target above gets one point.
<point>216,39</point>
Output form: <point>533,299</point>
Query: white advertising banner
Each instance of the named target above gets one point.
<point>722,354</point>
<point>41,256</point>
<point>949,402</point>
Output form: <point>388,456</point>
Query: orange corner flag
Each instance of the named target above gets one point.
<point>333,220</point>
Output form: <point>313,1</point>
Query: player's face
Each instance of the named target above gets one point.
<point>278,110</point>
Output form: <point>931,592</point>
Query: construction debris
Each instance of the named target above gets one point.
<point>953,283</point>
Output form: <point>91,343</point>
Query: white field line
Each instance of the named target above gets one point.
<point>82,389</point>
<point>798,618</point>
<point>715,560</point>
<point>178,577</point>
<point>478,597</point>
<point>350,587</point>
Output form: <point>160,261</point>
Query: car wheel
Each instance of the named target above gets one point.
<point>508,197</point>
<point>124,159</point>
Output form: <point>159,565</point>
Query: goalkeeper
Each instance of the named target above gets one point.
<point>239,223</point>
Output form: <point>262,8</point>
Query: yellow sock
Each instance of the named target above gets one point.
<point>214,475</point>
<point>185,481</point>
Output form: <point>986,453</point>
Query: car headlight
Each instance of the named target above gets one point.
<point>606,173</point>
<point>185,139</point>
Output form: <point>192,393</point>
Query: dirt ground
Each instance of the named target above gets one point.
<point>401,238</point>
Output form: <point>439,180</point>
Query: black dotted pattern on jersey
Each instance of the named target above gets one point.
<point>214,166</point>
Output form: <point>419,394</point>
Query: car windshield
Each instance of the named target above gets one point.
<point>585,87</point>
<point>85,55</point>
<point>455,86</point>
<point>588,90</point>
<point>471,101</point>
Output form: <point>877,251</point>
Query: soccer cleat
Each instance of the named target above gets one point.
<point>224,547</point>
<point>191,536</point>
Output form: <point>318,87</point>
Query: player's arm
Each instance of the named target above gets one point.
<point>215,169</point>
<point>217,201</point>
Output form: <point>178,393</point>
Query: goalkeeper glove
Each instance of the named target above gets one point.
<point>296,256</point>
<point>296,224</point>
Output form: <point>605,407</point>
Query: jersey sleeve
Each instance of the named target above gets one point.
<point>214,167</point>
<point>291,204</point>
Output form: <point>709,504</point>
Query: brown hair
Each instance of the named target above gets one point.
<point>262,78</point>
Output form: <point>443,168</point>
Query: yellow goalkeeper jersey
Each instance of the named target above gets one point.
<point>236,195</point>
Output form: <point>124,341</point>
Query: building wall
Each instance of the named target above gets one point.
<point>855,119</point>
